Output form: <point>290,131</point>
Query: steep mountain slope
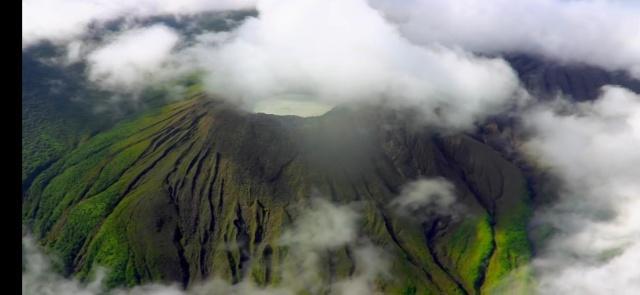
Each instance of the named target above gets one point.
<point>61,109</point>
<point>161,198</point>
<point>545,78</point>
<point>52,122</point>
<point>59,105</point>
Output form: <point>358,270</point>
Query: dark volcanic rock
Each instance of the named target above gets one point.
<point>581,82</point>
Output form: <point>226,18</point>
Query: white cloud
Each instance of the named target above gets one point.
<point>425,196</point>
<point>323,226</point>
<point>39,278</point>
<point>333,52</point>
<point>371,263</point>
<point>302,58</point>
<point>65,20</point>
<point>604,33</point>
<point>593,148</point>
<point>132,59</point>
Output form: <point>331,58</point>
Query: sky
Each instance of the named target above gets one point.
<point>442,58</point>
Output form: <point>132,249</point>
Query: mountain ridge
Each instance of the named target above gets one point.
<point>203,174</point>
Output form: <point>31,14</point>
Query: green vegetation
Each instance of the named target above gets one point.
<point>61,110</point>
<point>513,251</point>
<point>161,197</point>
<point>470,247</point>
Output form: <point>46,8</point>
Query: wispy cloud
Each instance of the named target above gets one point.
<point>61,21</point>
<point>322,53</point>
<point>593,148</point>
<point>604,33</point>
<point>336,52</point>
<point>422,197</point>
<point>130,60</point>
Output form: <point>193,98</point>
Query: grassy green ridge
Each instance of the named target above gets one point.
<point>509,208</point>
<point>467,248</point>
<point>158,198</point>
<point>61,110</point>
